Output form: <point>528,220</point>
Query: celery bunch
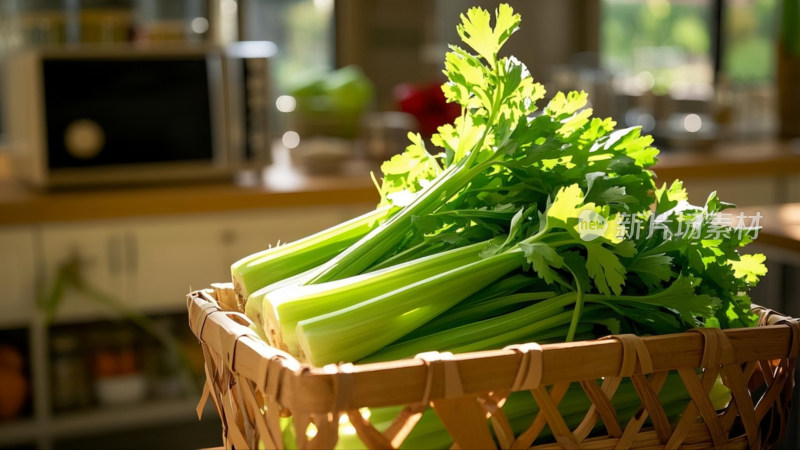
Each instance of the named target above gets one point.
<point>505,198</point>
<point>484,242</point>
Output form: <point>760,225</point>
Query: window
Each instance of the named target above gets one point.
<point>658,45</point>
<point>303,30</point>
<point>665,61</point>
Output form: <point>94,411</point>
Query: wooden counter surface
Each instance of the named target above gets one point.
<point>732,160</point>
<point>780,225</point>
<point>283,186</point>
<point>19,205</point>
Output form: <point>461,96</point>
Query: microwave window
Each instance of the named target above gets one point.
<point>126,111</point>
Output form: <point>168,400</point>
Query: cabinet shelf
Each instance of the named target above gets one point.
<point>20,431</point>
<point>109,419</point>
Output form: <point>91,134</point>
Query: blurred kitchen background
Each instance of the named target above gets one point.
<point>146,145</point>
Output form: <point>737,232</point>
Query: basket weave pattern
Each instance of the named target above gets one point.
<point>253,385</point>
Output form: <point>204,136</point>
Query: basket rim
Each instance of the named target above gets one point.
<point>301,387</point>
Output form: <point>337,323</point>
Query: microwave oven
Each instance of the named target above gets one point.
<point>131,115</point>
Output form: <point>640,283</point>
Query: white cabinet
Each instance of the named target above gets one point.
<point>150,264</point>
<point>17,276</point>
<point>99,252</point>
<point>169,258</point>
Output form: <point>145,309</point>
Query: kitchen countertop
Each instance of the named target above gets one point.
<point>780,225</point>
<point>279,185</point>
<point>282,185</point>
<point>731,160</point>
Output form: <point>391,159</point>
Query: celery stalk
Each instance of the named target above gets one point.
<point>261,269</point>
<point>475,312</point>
<point>354,332</point>
<point>380,241</point>
<point>537,318</point>
<point>285,307</point>
<point>254,308</point>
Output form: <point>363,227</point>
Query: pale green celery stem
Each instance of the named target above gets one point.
<point>518,335</point>
<point>418,251</point>
<point>578,311</point>
<point>362,254</point>
<point>478,311</point>
<point>254,308</point>
<point>261,269</point>
<point>354,332</point>
<point>500,288</point>
<point>528,317</point>
<point>285,307</point>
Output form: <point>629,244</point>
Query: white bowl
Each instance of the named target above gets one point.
<point>121,389</point>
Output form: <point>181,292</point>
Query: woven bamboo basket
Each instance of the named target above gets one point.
<point>253,386</point>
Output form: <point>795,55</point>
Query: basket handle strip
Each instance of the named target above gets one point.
<point>653,406</point>
<point>525,439</point>
<point>342,386</point>
<point>247,417</point>
<point>199,313</point>
<point>601,408</point>
<point>232,432</point>
<point>714,355</point>
<point>492,403</point>
<point>397,432</point>
<point>226,334</point>
<point>201,405</point>
<point>327,430</point>
<point>261,421</point>
<point>633,350</point>
<point>549,409</point>
<point>273,418</point>
<point>776,382</point>
<point>794,325</point>
<point>465,420</point>
<point>210,369</point>
<point>405,421</point>
<point>781,409</point>
<point>635,424</point>
<point>733,378</point>
<point>440,366</point>
<point>371,437</point>
<point>528,376</point>
<point>268,375</point>
<point>463,417</point>
<point>529,372</point>
<point>301,422</point>
<point>728,417</point>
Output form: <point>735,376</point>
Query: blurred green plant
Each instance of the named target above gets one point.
<point>669,40</point>
<point>69,276</point>
<point>749,29</point>
<point>790,26</point>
